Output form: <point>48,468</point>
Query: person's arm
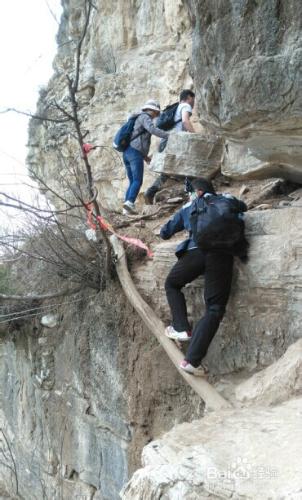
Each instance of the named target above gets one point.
<point>185,117</point>
<point>148,124</point>
<point>173,226</point>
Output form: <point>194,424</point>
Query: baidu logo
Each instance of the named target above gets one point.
<point>238,470</point>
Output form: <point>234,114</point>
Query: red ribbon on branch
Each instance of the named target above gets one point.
<point>103,224</point>
<point>86,148</point>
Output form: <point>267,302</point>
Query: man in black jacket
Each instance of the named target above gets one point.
<point>217,268</point>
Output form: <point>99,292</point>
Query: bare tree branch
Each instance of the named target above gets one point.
<point>34,116</point>
<point>73,87</point>
<point>63,110</point>
<point>52,12</point>
<point>71,248</point>
<point>25,209</point>
<point>35,176</point>
<point>13,461</point>
<point>79,49</point>
<point>45,215</point>
<point>60,293</point>
<point>52,242</point>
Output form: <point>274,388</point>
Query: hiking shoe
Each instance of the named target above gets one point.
<point>148,199</point>
<point>130,207</point>
<point>175,335</point>
<point>200,371</point>
<point>187,367</point>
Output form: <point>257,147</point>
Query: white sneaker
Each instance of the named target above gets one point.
<point>201,371</point>
<point>175,335</point>
<point>130,207</point>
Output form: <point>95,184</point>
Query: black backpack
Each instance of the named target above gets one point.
<point>165,121</point>
<point>216,225</point>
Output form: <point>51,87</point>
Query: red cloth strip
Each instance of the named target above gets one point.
<point>107,227</point>
<point>86,148</point>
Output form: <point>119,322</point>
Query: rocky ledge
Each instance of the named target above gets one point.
<point>242,453</point>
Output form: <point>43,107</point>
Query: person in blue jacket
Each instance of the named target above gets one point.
<point>217,268</point>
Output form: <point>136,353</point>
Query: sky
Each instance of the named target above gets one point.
<point>27,49</point>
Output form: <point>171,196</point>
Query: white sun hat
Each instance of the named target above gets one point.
<point>151,104</point>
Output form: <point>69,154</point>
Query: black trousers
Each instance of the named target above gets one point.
<point>217,269</point>
<point>157,185</point>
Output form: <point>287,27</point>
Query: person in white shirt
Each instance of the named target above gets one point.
<point>184,111</point>
<point>182,124</point>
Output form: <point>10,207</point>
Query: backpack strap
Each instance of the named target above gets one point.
<point>197,204</point>
<point>137,135</point>
<point>180,119</point>
<point>140,133</point>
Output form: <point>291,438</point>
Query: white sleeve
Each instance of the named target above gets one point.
<point>186,107</point>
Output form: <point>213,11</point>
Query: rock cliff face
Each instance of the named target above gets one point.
<point>134,51</point>
<point>247,72</point>
<point>230,454</point>
<point>80,400</point>
<point>74,411</point>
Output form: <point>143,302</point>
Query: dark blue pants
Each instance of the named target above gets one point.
<point>217,269</point>
<point>134,164</point>
<point>157,185</point>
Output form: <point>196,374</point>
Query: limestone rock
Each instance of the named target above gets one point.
<point>72,405</point>
<point>268,188</point>
<point>229,454</point>
<point>176,200</point>
<point>133,52</point>
<point>241,162</point>
<point>278,382</point>
<point>91,235</point>
<point>247,70</point>
<point>50,320</point>
<point>189,155</point>
<point>70,411</point>
<point>296,195</point>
